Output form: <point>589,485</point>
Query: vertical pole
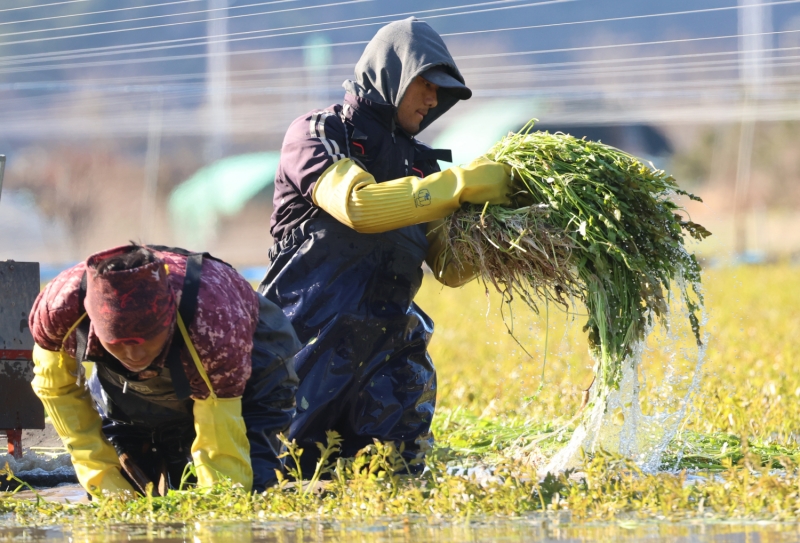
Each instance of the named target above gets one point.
<point>755,22</point>
<point>14,437</point>
<point>317,59</point>
<point>2,172</point>
<point>742,186</point>
<point>217,79</point>
<point>151,164</point>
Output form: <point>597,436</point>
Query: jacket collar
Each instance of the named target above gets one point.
<point>358,108</point>
<point>362,108</point>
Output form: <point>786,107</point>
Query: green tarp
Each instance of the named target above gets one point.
<point>218,190</point>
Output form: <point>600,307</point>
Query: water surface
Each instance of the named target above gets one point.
<point>529,529</point>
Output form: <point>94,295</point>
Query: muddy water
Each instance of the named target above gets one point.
<point>538,528</point>
<point>535,528</point>
<point>415,530</point>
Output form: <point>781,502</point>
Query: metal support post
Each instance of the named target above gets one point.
<point>19,406</point>
<point>14,437</point>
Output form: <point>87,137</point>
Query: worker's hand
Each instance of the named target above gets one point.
<point>221,449</point>
<point>485,181</point>
<point>76,420</point>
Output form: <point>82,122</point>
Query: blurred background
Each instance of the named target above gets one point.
<point>161,121</point>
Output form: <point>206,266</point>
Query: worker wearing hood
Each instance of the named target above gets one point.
<point>357,208</point>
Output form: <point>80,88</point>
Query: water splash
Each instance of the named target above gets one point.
<point>613,420</point>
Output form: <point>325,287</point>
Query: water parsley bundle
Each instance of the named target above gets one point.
<point>590,224</point>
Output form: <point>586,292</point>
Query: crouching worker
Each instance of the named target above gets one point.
<point>191,365</point>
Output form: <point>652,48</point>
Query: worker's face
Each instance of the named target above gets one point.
<point>135,355</point>
<point>419,98</point>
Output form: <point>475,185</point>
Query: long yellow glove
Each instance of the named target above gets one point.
<point>445,268</point>
<point>221,448</point>
<point>78,423</point>
<point>352,196</point>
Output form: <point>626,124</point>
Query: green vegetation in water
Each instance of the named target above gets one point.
<point>370,486</point>
<point>750,400</point>
<point>590,222</point>
<point>735,457</point>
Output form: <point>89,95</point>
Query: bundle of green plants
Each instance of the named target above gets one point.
<point>590,225</point>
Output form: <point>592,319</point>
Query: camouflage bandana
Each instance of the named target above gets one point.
<point>128,306</point>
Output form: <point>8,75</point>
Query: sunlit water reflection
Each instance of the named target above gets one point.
<point>531,529</point>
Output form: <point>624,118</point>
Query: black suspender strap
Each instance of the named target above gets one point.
<point>191,287</point>
<point>346,137</point>
<point>187,308</point>
<point>82,331</point>
<point>184,252</point>
<point>445,155</point>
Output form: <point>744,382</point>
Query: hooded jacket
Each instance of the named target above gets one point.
<point>364,127</point>
<point>364,369</point>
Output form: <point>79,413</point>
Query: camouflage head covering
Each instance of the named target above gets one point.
<point>132,305</point>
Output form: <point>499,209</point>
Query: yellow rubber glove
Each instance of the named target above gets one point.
<point>74,417</point>
<point>221,448</point>
<point>445,268</point>
<point>352,196</point>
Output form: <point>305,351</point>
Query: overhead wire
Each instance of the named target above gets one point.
<point>174,58</point>
<point>681,99</point>
<point>86,14</point>
<point>203,20</point>
<point>523,71</point>
<point>539,65</point>
<point>633,17</point>
<point>554,74</point>
<point>268,30</point>
<point>650,58</point>
<point>200,42</point>
<point>618,19</point>
<point>203,42</point>
<point>639,89</point>
<point>621,60</point>
<point>601,65</point>
<point>542,77</point>
<point>298,86</point>
<point>251,86</point>
<point>620,45</point>
<point>666,88</point>
<point>233,74</point>
<point>42,5</point>
<point>540,70</point>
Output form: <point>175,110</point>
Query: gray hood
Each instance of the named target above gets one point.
<point>398,53</point>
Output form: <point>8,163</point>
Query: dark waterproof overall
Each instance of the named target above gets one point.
<point>364,370</point>
<point>152,421</point>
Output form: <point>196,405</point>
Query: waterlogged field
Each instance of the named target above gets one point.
<point>501,413</point>
<point>748,399</point>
